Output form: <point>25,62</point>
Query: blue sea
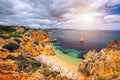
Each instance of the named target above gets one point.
<point>68,41</point>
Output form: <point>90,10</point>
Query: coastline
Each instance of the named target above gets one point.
<point>68,62</point>
<point>64,64</point>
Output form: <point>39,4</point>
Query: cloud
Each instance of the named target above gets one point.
<point>112,20</point>
<point>112,17</point>
<point>114,2</point>
<point>55,13</point>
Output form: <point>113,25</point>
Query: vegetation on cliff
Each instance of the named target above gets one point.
<point>103,65</point>
<point>11,47</point>
<point>24,64</point>
<point>19,46</point>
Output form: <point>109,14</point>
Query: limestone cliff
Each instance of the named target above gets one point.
<point>103,65</point>
<point>29,41</point>
<point>18,46</point>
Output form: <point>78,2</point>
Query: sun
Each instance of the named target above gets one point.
<point>87,18</point>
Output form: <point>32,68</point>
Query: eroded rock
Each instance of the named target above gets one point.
<point>103,65</point>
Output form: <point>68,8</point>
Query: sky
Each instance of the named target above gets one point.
<point>61,14</point>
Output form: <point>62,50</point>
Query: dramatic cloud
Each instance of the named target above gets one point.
<point>61,13</point>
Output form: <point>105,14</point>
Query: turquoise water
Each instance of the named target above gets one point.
<point>67,58</point>
<point>68,41</point>
<point>71,52</point>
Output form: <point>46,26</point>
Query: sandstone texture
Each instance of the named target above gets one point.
<point>103,65</point>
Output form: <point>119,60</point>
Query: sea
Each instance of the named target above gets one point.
<point>68,41</point>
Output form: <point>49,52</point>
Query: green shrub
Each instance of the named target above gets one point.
<point>48,73</point>
<point>20,57</point>
<point>11,34</point>
<point>11,47</point>
<point>15,34</point>
<point>25,29</point>
<point>27,65</point>
<point>9,57</point>
<point>18,41</point>
<point>35,64</point>
<point>8,28</point>
<point>5,37</point>
<point>36,43</point>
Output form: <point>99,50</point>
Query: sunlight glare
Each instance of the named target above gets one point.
<point>87,18</point>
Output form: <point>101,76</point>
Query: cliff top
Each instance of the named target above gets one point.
<point>103,65</point>
<point>115,44</point>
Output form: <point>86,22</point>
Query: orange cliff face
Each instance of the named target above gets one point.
<point>33,42</point>
<point>103,65</point>
<point>37,43</point>
<point>8,71</point>
<point>22,41</point>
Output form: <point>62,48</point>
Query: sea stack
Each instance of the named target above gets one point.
<point>81,40</point>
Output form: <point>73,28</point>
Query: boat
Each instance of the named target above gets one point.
<point>81,39</point>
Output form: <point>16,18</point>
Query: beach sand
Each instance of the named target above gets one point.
<point>66,61</point>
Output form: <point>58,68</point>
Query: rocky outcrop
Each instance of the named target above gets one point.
<point>8,71</point>
<point>17,64</point>
<point>114,45</point>
<point>35,43</point>
<point>103,65</point>
<point>32,42</point>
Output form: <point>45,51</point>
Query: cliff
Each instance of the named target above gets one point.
<point>25,41</point>
<point>103,65</point>
<point>18,47</point>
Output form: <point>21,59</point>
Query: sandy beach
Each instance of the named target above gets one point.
<point>65,63</point>
<point>72,64</point>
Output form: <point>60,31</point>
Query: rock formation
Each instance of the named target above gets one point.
<point>32,42</point>
<point>18,46</point>
<point>103,65</point>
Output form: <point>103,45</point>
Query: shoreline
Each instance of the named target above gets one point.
<point>66,65</point>
<point>66,60</point>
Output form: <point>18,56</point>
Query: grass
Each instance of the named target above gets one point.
<point>11,34</point>
<point>25,64</point>
<point>28,65</point>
